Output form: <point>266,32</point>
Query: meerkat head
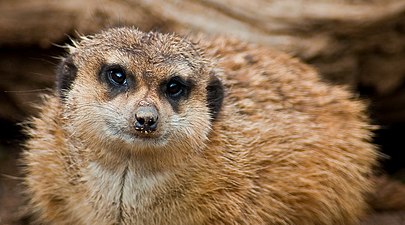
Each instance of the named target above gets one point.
<point>144,91</point>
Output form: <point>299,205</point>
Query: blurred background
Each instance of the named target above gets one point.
<point>357,43</point>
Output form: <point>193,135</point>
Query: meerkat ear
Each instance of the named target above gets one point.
<point>66,74</point>
<point>215,96</point>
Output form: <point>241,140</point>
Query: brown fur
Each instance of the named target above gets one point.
<point>285,148</point>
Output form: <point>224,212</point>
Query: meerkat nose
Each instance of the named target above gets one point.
<point>146,118</point>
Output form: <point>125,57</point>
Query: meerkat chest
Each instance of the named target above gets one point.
<point>124,196</point>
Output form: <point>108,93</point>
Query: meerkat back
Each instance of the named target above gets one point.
<point>151,128</point>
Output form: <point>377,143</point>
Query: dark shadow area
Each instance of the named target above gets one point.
<point>391,139</point>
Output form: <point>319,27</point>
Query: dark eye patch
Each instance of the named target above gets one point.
<point>116,77</point>
<point>175,89</point>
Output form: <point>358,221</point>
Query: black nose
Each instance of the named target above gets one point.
<point>146,118</point>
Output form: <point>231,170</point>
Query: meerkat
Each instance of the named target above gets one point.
<point>152,128</point>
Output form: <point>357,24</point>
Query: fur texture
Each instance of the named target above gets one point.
<point>258,139</point>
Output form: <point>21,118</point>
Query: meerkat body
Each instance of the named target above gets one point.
<point>150,128</point>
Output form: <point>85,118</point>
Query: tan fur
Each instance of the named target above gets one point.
<point>286,148</point>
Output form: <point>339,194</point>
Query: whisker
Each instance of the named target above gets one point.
<point>28,91</point>
<point>108,108</point>
<point>12,177</point>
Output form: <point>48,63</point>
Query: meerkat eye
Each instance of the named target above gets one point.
<point>116,76</point>
<point>174,88</point>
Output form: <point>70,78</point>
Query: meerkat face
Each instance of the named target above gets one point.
<point>143,91</point>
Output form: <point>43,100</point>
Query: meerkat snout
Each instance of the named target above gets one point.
<point>146,119</point>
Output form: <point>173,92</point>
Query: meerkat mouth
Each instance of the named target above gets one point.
<point>135,137</point>
<point>146,139</point>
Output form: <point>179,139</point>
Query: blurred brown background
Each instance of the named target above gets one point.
<point>359,43</point>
